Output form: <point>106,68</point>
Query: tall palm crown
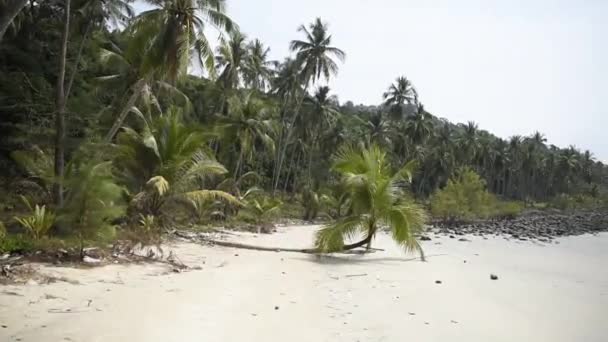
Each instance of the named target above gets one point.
<point>114,12</point>
<point>420,126</point>
<point>398,94</point>
<point>174,29</point>
<point>377,198</point>
<point>315,54</point>
<point>322,109</point>
<point>258,69</point>
<point>231,58</point>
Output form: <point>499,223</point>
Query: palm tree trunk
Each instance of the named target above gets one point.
<point>77,61</point>
<point>60,111</point>
<point>290,131</point>
<point>137,88</point>
<point>10,11</point>
<point>238,165</point>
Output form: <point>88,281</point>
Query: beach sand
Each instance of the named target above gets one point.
<point>544,292</point>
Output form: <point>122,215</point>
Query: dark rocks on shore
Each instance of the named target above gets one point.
<point>537,225</point>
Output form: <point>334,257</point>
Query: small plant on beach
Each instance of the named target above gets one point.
<point>378,199</point>
<point>262,210</point>
<point>39,222</point>
<point>93,201</point>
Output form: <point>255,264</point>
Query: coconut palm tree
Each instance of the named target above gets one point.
<point>126,66</point>
<point>258,69</point>
<point>319,117</point>
<point>315,54</point>
<point>174,29</point>
<point>248,124</point>
<point>168,162</point>
<point>314,59</point>
<point>398,94</point>
<point>419,127</point>
<point>231,59</point>
<point>377,200</point>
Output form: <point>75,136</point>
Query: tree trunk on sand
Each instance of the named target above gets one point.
<point>60,112</point>
<point>10,11</point>
<point>137,88</point>
<point>361,243</point>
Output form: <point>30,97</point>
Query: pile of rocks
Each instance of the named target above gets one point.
<point>537,225</point>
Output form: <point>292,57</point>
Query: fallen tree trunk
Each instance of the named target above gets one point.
<point>274,249</point>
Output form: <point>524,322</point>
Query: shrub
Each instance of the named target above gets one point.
<point>39,222</point>
<point>2,231</point>
<point>463,198</point>
<point>507,210</point>
<point>572,202</point>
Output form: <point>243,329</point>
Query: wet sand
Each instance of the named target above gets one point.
<point>544,292</point>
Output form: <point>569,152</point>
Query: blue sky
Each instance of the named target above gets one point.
<point>511,66</point>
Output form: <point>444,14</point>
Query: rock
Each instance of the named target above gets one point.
<point>493,277</point>
<point>452,237</point>
<point>89,260</point>
<point>425,238</point>
<point>276,308</point>
<point>464,240</point>
<point>437,281</point>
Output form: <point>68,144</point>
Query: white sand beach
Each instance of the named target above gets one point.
<point>544,292</point>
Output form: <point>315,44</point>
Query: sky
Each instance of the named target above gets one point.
<point>512,66</point>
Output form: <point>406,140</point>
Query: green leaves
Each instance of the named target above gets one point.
<point>39,222</point>
<point>375,200</point>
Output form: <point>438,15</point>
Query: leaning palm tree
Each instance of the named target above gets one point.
<point>315,53</point>
<point>378,200</point>
<point>125,65</point>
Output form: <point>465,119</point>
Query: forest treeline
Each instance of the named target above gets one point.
<point>102,118</point>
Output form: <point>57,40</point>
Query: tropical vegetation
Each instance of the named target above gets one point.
<point>105,125</point>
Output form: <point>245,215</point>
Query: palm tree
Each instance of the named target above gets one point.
<point>314,58</point>
<point>175,28</point>
<point>127,65</point>
<point>248,124</point>
<point>315,54</point>
<point>420,127</point>
<point>469,142</point>
<point>377,198</point>
<point>166,163</point>
<point>258,70</point>
<point>9,10</point>
<point>398,94</point>
<point>378,131</point>
<point>321,116</point>
<point>231,58</point>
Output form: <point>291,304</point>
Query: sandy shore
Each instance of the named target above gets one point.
<point>545,292</point>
